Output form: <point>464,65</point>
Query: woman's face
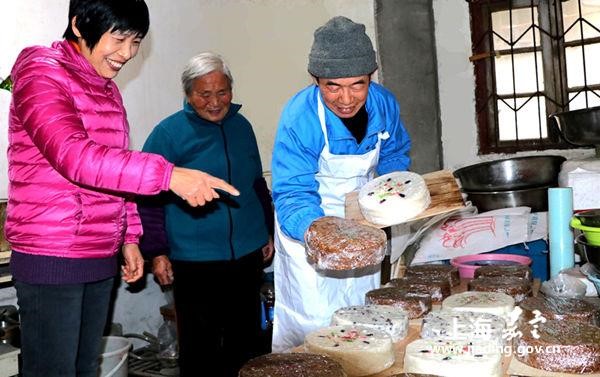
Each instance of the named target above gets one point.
<point>112,51</point>
<point>211,96</point>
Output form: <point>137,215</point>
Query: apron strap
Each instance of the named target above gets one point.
<point>321,111</point>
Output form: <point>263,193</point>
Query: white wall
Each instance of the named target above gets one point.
<point>266,43</point>
<point>456,88</point>
<point>37,23</point>
<point>23,23</point>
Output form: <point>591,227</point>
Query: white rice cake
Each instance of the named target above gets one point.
<point>386,318</point>
<point>394,198</point>
<point>361,351</point>
<point>450,358</point>
<point>459,325</point>
<point>496,303</point>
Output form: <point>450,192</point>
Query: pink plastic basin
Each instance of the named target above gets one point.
<point>467,264</point>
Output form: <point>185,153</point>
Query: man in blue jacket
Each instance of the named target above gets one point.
<point>332,138</point>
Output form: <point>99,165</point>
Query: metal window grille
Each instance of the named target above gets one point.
<point>539,64</point>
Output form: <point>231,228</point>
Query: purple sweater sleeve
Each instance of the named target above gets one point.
<point>154,240</point>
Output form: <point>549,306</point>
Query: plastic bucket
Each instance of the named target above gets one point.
<point>113,359</point>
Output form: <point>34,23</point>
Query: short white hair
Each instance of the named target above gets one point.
<point>200,65</point>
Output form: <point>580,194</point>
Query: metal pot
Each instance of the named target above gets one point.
<point>589,218</point>
<point>589,253</point>
<point>536,198</point>
<point>579,127</point>
<point>151,351</point>
<point>511,174</point>
<point>10,330</point>
<point>10,335</point>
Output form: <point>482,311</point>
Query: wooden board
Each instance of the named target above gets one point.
<point>5,275</point>
<point>5,257</point>
<point>445,197</point>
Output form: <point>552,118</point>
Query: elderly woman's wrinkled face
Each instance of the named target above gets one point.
<point>211,96</point>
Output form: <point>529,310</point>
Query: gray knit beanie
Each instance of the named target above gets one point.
<point>341,48</point>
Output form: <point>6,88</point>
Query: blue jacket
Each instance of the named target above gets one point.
<point>224,229</point>
<point>299,142</point>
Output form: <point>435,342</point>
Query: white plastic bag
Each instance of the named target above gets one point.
<point>167,340</point>
<point>466,235</point>
<point>592,274</point>
<point>564,286</point>
<point>407,234</point>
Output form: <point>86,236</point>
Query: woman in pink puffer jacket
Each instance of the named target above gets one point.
<point>72,178</point>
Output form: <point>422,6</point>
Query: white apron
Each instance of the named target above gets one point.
<point>305,299</point>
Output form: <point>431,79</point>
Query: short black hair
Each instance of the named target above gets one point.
<point>96,17</point>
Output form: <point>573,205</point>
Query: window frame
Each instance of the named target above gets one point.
<point>553,70</point>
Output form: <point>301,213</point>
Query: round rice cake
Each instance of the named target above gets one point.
<point>334,243</point>
<point>415,305</point>
<point>560,346</point>
<point>292,365</point>
<point>496,303</point>
<point>361,351</point>
<point>448,325</point>
<point>435,270</point>
<point>437,287</point>
<point>386,318</point>
<point>517,288</point>
<point>453,357</point>
<point>561,308</point>
<point>394,198</point>
<point>518,270</point>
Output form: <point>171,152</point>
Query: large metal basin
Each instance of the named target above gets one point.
<point>536,198</point>
<point>579,127</point>
<point>510,174</point>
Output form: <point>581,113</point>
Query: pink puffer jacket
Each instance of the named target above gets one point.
<point>71,174</point>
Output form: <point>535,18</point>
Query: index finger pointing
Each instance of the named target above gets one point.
<point>222,185</point>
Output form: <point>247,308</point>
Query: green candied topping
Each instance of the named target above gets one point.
<point>389,188</point>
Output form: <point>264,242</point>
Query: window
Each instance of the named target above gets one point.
<point>532,58</point>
